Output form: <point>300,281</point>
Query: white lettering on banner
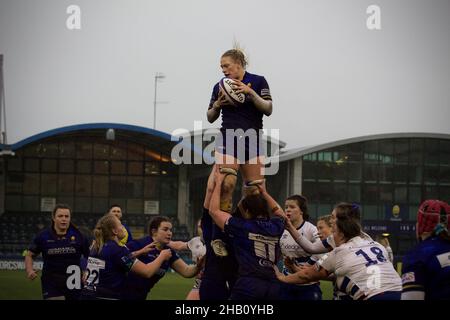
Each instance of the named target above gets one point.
<point>18,265</point>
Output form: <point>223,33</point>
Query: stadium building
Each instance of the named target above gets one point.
<point>92,166</point>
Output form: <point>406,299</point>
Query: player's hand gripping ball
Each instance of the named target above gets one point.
<point>230,92</point>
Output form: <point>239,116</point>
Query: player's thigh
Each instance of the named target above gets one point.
<point>253,170</point>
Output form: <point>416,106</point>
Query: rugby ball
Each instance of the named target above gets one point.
<point>226,84</point>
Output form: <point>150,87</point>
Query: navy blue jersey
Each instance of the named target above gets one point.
<point>137,286</point>
<point>427,268</point>
<point>245,116</point>
<point>256,244</point>
<point>59,252</point>
<point>216,265</point>
<point>107,270</point>
<point>220,273</point>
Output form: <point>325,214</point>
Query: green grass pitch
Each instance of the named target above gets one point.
<point>15,286</point>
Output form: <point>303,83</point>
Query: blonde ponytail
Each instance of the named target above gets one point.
<point>103,231</point>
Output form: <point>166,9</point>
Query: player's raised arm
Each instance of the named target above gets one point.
<point>220,217</point>
<point>308,246</point>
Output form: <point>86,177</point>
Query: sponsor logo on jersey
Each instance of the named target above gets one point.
<point>408,277</point>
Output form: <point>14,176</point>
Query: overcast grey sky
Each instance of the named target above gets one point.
<point>331,78</point>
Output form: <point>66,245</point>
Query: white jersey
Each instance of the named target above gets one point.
<point>329,241</point>
<point>290,248</point>
<point>362,268</point>
<point>197,248</point>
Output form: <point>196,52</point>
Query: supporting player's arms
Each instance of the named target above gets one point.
<point>149,269</point>
<point>220,217</point>
<point>185,270</point>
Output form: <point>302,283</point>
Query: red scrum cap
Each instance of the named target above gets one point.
<point>431,213</point>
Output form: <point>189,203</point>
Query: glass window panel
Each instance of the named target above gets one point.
<point>33,150</point>
<point>444,148</point>
<point>66,166</point>
<point>13,203</point>
<point>48,184</point>
<point>444,193</point>
<point>136,187</point>
<point>354,171</point>
<point>84,166</point>
<point>100,186</point>
<point>168,208</point>
<point>50,150</point>
<point>431,174</point>
<point>118,186</point>
<point>386,193</point>
<point>83,185</point>
<point>82,204</point>
<point>310,157</point>
<point>325,192</point>
<point>386,173</point>
<point>100,205</point>
<point>431,152</point>
<point>135,151</point>
<point>309,170</point>
<point>118,201</point>
<point>431,192</point>
<point>340,192</point>
<point>14,164</point>
<point>401,173</point>
<point>370,172</point>
<point>118,167</point>
<point>386,151</point>
<point>31,203</point>
<point>415,174</point>
<point>416,151</point>
<point>325,156</point>
<point>101,151</point>
<point>135,168</point>
<point>135,206</point>
<point>324,208</point>
<point>66,200</point>
<point>101,166</point>
<point>84,150</point>
<point>324,171</point>
<point>151,189</point>
<point>354,193</point>
<point>371,151</point>
<point>67,149</point>
<point>169,188</point>
<point>354,152</point>
<point>413,212</point>
<point>444,174</point>
<point>312,210</point>
<point>14,182</point>
<point>370,193</point>
<point>49,165</point>
<point>151,168</point>
<point>309,191</point>
<point>340,171</point>
<point>370,212</point>
<point>401,151</point>
<point>32,165</point>
<point>119,151</point>
<point>400,194</point>
<point>31,183</point>
<point>415,195</point>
